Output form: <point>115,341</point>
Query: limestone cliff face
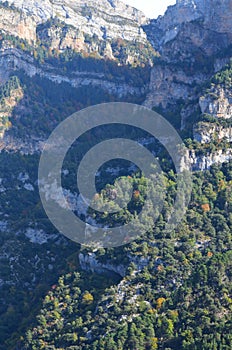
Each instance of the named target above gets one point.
<point>31,31</point>
<point>17,24</point>
<point>89,262</point>
<point>168,84</point>
<point>217,14</point>
<point>212,14</point>
<point>215,129</point>
<point>190,38</point>
<point>104,18</point>
<point>13,60</point>
<point>193,39</point>
<point>205,161</point>
<point>61,38</point>
<point>207,132</point>
<point>217,102</point>
<point>84,26</point>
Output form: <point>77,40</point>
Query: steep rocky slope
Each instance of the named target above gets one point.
<point>100,30</point>
<point>194,40</point>
<point>57,57</point>
<point>174,291</point>
<point>80,45</point>
<point>112,19</point>
<point>87,46</point>
<point>212,14</point>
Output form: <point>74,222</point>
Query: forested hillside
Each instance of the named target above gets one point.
<point>168,289</point>
<point>176,292</point>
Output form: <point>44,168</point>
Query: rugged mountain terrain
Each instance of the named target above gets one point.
<point>68,45</point>
<point>171,290</point>
<point>110,30</point>
<point>74,47</point>
<point>194,41</point>
<point>108,21</point>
